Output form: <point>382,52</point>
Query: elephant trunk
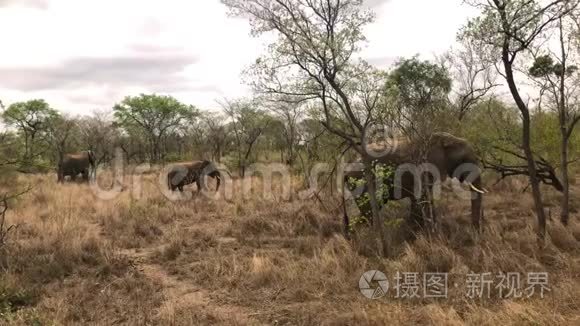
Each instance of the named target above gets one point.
<point>476,203</point>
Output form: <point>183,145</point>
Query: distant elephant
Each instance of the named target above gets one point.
<point>72,165</point>
<point>187,173</point>
<point>445,155</point>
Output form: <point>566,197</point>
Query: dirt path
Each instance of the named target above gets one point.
<point>184,298</point>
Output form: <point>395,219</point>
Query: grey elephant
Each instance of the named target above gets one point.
<point>83,163</point>
<point>414,167</point>
<point>183,174</point>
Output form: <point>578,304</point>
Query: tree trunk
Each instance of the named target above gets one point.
<point>565,213</point>
<point>219,153</point>
<point>537,195</point>
<point>157,148</point>
<point>152,150</point>
<point>26,148</point>
<point>428,202</point>
<point>533,173</point>
<point>378,221</point>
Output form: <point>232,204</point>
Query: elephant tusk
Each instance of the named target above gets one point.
<point>474,188</point>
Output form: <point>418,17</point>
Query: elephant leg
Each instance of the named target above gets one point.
<point>429,207</point>
<point>198,184</point>
<point>180,187</point>
<point>434,215</point>
<point>417,221</point>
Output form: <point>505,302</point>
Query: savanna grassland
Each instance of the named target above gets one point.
<point>76,259</point>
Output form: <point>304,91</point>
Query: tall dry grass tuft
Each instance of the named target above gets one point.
<point>562,237</point>
<point>252,259</point>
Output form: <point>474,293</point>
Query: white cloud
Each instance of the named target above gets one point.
<point>80,55</point>
<point>40,4</point>
<point>404,28</point>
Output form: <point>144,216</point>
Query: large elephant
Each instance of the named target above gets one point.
<point>72,165</point>
<point>414,168</point>
<point>187,173</point>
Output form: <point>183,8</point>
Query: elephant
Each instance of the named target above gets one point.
<point>187,173</point>
<point>418,166</point>
<point>77,163</point>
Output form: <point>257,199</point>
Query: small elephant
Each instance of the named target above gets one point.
<point>187,173</point>
<point>442,155</point>
<point>72,165</point>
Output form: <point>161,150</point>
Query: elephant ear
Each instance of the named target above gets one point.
<point>447,142</point>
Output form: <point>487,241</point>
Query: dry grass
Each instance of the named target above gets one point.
<point>76,259</point>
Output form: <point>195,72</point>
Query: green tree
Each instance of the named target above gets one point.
<point>154,116</point>
<point>504,32</point>
<point>558,80</point>
<point>418,94</point>
<point>32,119</point>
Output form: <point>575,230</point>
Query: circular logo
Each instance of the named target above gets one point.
<point>373,284</point>
<point>379,140</point>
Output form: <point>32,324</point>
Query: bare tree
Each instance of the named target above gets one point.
<point>290,114</point>
<point>217,135</point>
<point>4,227</point>
<point>98,134</point>
<point>474,78</point>
<point>248,123</point>
<point>312,60</point>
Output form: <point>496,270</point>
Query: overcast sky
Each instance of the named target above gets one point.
<point>81,55</point>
